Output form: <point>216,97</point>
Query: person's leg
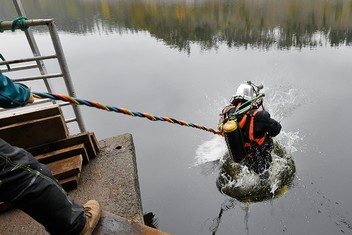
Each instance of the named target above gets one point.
<point>29,186</point>
<point>259,157</point>
<point>266,153</point>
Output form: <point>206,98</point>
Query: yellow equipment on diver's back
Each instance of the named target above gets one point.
<point>229,126</point>
<point>234,139</point>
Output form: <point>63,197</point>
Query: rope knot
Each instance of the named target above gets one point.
<point>20,22</point>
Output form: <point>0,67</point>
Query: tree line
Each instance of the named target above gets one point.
<point>209,23</point>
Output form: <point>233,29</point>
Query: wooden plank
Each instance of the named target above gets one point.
<point>35,132</point>
<point>94,142</point>
<point>70,183</point>
<point>63,153</point>
<point>27,115</point>
<point>64,143</point>
<point>66,167</point>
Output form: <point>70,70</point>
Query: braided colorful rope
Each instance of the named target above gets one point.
<point>120,110</point>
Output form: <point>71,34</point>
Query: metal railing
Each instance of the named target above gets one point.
<point>37,62</point>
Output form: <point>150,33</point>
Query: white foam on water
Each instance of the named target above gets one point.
<point>279,166</point>
<point>246,179</point>
<point>211,150</point>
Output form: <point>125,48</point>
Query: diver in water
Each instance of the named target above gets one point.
<point>248,128</point>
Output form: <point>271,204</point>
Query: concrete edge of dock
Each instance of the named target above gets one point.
<point>112,179</point>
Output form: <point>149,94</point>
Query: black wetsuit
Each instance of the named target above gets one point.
<point>259,156</point>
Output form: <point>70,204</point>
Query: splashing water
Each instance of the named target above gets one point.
<point>211,150</point>
<point>283,101</point>
<point>232,176</point>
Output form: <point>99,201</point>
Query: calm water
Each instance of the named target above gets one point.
<point>184,59</point>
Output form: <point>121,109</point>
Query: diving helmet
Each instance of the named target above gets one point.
<point>246,91</point>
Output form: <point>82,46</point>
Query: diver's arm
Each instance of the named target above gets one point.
<point>274,127</point>
<point>264,123</point>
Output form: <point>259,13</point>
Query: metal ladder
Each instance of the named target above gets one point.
<point>37,62</point>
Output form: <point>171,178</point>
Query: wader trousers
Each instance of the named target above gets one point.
<point>29,186</point>
<point>259,158</point>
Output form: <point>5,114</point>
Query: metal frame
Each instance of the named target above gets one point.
<point>39,60</point>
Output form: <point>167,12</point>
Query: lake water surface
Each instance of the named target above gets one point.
<point>185,59</point>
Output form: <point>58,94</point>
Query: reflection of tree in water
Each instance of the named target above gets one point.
<point>226,205</point>
<point>229,204</point>
<point>209,23</point>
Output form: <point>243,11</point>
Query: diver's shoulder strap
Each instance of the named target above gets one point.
<point>259,141</point>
